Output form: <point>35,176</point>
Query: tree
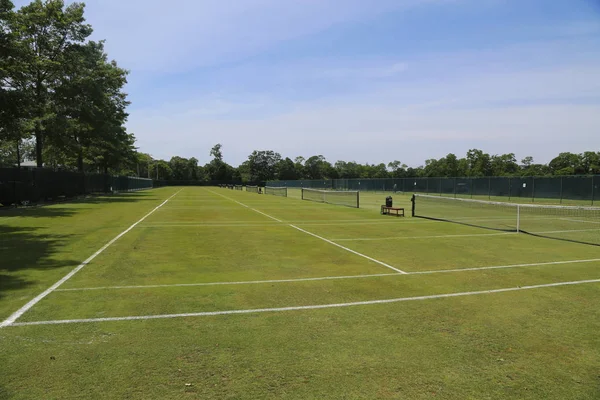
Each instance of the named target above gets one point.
<point>14,126</point>
<point>216,153</point>
<point>479,163</point>
<point>590,162</point>
<point>262,165</point>
<point>566,164</point>
<point>89,107</point>
<point>527,161</point>
<point>43,31</point>
<point>504,165</point>
<point>398,169</point>
<point>299,163</point>
<point>217,170</point>
<point>286,170</point>
<point>317,167</point>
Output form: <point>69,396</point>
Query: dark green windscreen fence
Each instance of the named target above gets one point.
<point>561,188</point>
<point>19,185</point>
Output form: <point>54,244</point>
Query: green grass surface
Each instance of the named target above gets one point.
<point>524,344</point>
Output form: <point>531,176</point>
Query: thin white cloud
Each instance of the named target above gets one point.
<point>181,35</point>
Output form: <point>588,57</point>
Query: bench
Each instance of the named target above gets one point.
<point>385,210</point>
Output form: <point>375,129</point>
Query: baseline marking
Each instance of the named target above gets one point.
<point>312,234</point>
<point>16,315</point>
<point>310,307</point>
<point>324,278</point>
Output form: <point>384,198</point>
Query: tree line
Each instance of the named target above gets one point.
<point>61,98</point>
<point>62,104</point>
<point>268,165</point>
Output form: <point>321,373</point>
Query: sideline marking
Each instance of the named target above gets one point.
<point>16,315</point>
<point>310,307</point>
<point>324,278</point>
<point>312,234</point>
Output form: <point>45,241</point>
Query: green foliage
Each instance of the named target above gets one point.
<point>62,89</point>
<point>286,170</point>
<point>262,165</point>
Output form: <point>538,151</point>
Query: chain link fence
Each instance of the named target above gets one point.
<point>561,188</point>
<point>35,185</point>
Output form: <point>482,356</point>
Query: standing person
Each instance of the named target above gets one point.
<point>395,187</point>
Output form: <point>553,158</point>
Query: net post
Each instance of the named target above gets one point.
<point>412,199</point>
<point>357,199</point>
<point>518,218</point>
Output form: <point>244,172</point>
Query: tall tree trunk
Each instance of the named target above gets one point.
<point>18,155</point>
<point>80,161</point>
<point>39,139</point>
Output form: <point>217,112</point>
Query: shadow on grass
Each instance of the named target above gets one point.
<point>22,249</point>
<point>46,209</point>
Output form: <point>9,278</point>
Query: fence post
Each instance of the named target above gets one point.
<point>509,188</point>
<point>427,185</point>
<point>440,187</point>
<point>533,189</point>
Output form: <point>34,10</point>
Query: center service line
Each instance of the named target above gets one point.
<point>314,235</point>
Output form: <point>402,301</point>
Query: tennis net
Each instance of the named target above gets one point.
<point>276,191</point>
<point>253,189</point>
<point>238,187</point>
<point>342,198</point>
<point>574,224</point>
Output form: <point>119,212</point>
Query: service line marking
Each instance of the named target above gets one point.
<point>309,307</point>
<point>314,235</point>
<point>16,315</point>
<point>580,220</point>
<point>324,278</point>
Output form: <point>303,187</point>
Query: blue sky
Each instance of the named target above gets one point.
<point>370,81</point>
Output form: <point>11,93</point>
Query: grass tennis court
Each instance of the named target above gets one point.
<point>227,294</point>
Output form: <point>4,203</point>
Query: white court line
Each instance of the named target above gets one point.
<point>566,231</point>
<point>580,220</point>
<point>302,223</point>
<point>506,266</point>
<point>427,237</point>
<point>317,236</point>
<point>310,307</point>
<point>325,278</point>
<point>469,235</point>
<point>10,320</point>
